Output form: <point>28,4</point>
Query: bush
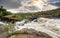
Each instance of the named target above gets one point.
<point>7,27</point>
<point>3,11</point>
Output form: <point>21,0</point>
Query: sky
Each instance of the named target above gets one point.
<point>54,0</point>
<point>15,3</point>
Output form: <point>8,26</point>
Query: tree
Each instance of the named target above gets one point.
<point>3,11</point>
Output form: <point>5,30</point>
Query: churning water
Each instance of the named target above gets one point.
<point>46,25</point>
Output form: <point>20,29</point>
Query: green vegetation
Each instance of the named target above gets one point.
<point>52,13</point>
<point>6,28</point>
<point>9,26</point>
<point>3,11</point>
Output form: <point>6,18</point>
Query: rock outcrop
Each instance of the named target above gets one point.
<point>29,33</point>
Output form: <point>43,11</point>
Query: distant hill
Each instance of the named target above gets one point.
<point>56,4</point>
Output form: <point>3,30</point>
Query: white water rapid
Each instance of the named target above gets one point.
<point>46,25</point>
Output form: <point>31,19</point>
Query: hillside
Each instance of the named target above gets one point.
<point>8,16</point>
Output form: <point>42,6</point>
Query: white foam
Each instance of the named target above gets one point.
<point>49,26</point>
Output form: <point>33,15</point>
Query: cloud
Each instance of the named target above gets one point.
<point>54,1</point>
<point>15,4</point>
<point>9,3</point>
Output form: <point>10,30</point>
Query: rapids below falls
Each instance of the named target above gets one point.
<point>46,25</point>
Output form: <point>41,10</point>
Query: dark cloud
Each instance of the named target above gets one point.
<point>9,3</point>
<point>54,0</point>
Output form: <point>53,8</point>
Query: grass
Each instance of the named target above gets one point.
<point>53,13</point>
<point>7,27</point>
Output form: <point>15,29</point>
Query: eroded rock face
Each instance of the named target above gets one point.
<point>29,33</point>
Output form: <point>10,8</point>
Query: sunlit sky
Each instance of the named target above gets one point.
<point>14,4</point>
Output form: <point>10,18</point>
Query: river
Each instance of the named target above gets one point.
<point>46,25</point>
